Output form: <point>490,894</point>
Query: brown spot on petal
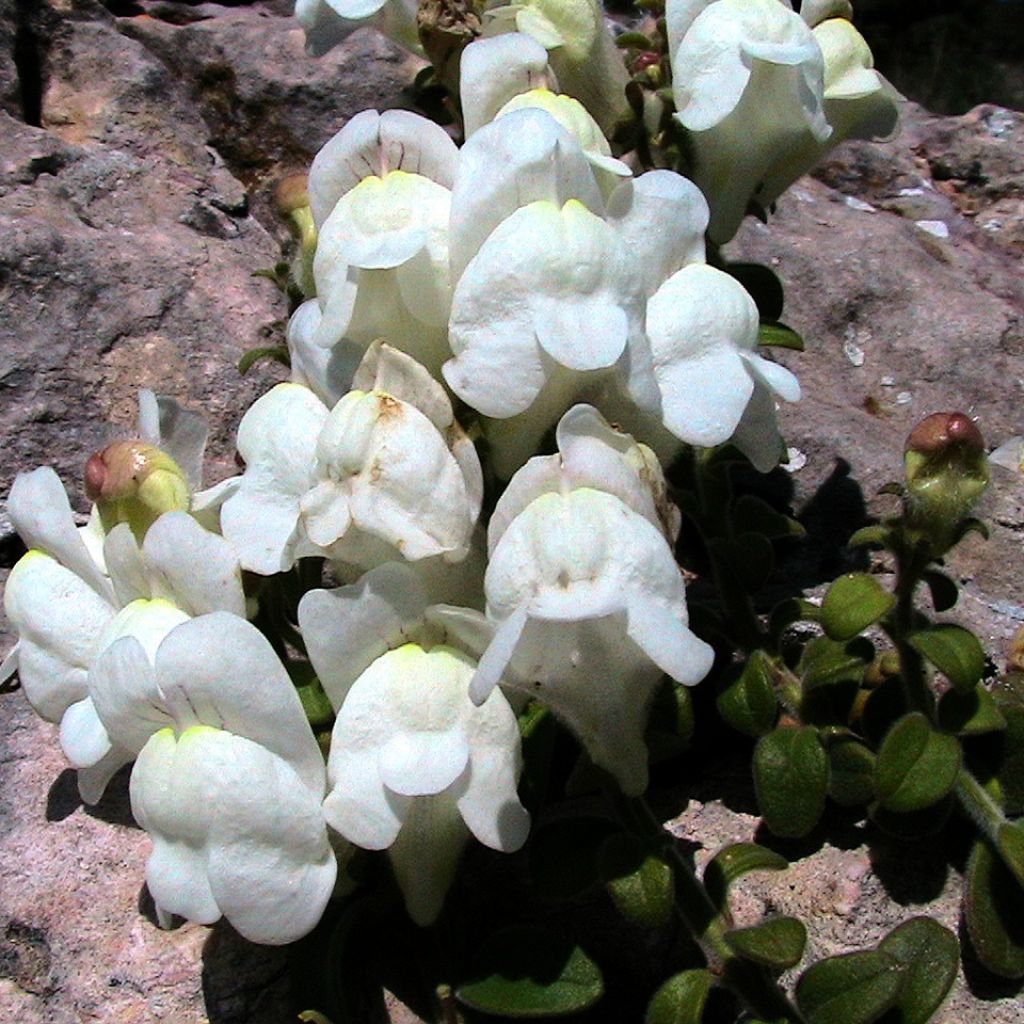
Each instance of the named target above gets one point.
<point>388,408</point>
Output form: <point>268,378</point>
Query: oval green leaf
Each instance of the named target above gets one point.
<point>777,942</point>
<point>969,714</point>
<point>852,779</point>
<point>854,988</point>
<point>956,652</point>
<point>747,702</point>
<point>1010,842</point>
<point>791,776</point>
<point>929,956</point>
<point>681,999</point>
<point>639,882</point>
<point>916,765</point>
<point>528,972</point>
<point>994,913</point>
<point>735,861</point>
<point>943,590</point>
<point>778,335</point>
<point>854,602</point>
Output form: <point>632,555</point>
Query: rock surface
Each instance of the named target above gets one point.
<point>133,212</point>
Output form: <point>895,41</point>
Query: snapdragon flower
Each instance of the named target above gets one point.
<point>380,196</point>
<point>764,96</point>
<point>386,474</point>
<point>415,767</point>
<point>330,22</point>
<point>228,779</point>
<point>587,601</point>
<point>68,608</point>
<point>581,50</point>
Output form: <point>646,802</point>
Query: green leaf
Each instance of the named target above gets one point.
<point>791,776</point>
<point>751,514</point>
<point>563,857</point>
<point>956,652</point>
<point>854,602</point>
<point>763,286</point>
<point>778,335</point>
<point>852,779</point>
<point>928,956</point>
<point>994,913</point>
<point>832,673</point>
<point>633,41</point>
<point>316,704</point>
<point>916,765</point>
<point>855,988</point>
<point>681,999</point>
<point>777,942</point>
<point>747,702</point>
<point>735,861</point>
<point>671,723</point>
<point>943,590</point>
<point>884,705</point>
<point>252,356</point>
<point>1011,766</point>
<point>969,714</point>
<point>876,535</point>
<point>1010,843</point>
<point>639,882</point>
<point>527,972</point>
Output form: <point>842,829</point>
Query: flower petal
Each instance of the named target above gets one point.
<point>423,763</point>
<point>494,70</point>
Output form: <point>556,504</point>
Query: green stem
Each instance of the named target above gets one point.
<point>910,566</point>
<point>979,806</point>
<point>757,990</point>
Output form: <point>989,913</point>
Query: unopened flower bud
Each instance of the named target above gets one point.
<point>946,471</point>
<point>1015,658</point>
<point>291,199</point>
<point>133,482</point>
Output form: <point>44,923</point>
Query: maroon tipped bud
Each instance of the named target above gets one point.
<point>942,430</point>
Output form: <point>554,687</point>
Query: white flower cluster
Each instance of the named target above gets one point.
<point>531,276</point>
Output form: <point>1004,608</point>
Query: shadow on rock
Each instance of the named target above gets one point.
<point>244,983</point>
<point>114,808</point>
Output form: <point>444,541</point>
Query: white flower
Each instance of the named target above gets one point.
<point>329,22</point>
<point>67,610</point>
<point>386,474</point>
<point>415,767</point>
<point>588,602</point>
<point>580,48</point>
<point>748,78</point>
<point>765,97</point>
<point>380,196</point>
<point>228,780</point>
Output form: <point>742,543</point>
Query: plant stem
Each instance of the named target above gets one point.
<point>909,568</point>
<point>976,803</point>
<point>755,988</point>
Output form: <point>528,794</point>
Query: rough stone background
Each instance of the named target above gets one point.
<point>139,143</point>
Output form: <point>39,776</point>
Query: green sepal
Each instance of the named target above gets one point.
<point>776,942</point>
<point>791,777</point>
<point>854,988</point>
<point>994,912</point>
<point>735,861</point>
<point>563,857</point>
<point>944,592</point>
<point>956,652</point>
<point>876,535</point>
<point>852,771</point>
<point>763,286</point>
<point>747,700</point>
<point>527,972</point>
<point>252,356</point>
<point>972,525</point>
<point>751,514</point>
<point>854,602</point>
<point>316,704</point>
<point>969,714</point>
<point>681,999</point>
<point>639,882</point>
<point>916,765</point>
<point>778,335</point>
<point>928,956</point>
